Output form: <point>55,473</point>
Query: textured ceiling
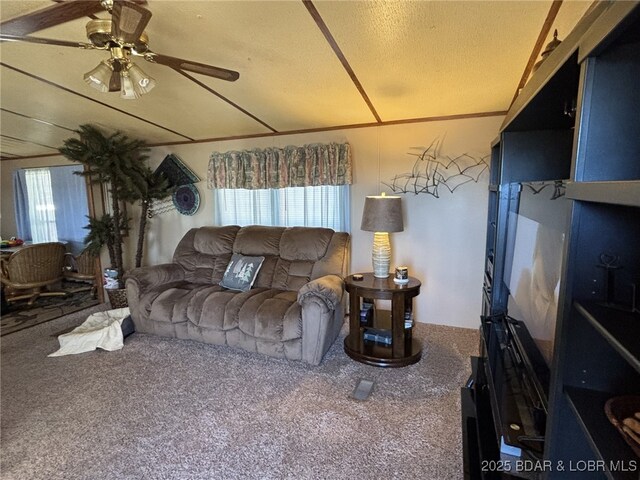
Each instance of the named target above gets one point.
<point>411,59</point>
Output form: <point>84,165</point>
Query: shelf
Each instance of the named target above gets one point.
<point>621,329</point>
<point>548,83</point>
<point>380,355</point>
<point>606,442</point>
<point>599,35</point>
<point>617,193</point>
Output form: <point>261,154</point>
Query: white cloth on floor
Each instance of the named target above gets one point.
<point>99,330</point>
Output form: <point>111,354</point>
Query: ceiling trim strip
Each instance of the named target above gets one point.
<point>336,49</point>
<point>225,99</point>
<point>35,119</point>
<point>49,82</point>
<point>441,118</point>
<point>22,140</point>
<point>544,33</point>
<point>344,127</point>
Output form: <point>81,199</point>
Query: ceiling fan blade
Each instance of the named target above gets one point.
<point>128,21</point>
<point>50,16</point>
<point>195,67</point>
<point>44,41</point>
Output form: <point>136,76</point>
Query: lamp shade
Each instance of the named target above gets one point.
<point>382,214</point>
<point>127,87</point>
<point>99,77</point>
<point>143,82</point>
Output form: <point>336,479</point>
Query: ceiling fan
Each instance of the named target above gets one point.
<point>123,36</point>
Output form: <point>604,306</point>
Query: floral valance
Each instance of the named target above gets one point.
<point>306,166</point>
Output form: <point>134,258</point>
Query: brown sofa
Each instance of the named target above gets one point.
<point>295,309</point>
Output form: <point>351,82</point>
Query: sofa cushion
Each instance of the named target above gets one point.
<point>273,315</point>
<point>170,304</point>
<point>292,274</point>
<point>204,253</point>
<point>215,240</point>
<point>209,271</point>
<point>336,259</point>
<point>258,240</point>
<point>263,313</point>
<point>305,243</point>
<point>265,275</point>
<point>217,309</point>
<point>241,272</point>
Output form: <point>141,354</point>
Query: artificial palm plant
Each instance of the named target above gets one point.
<point>117,162</point>
<point>155,188</point>
<point>101,235</point>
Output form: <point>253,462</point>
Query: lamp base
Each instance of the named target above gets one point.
<point>381,257</point>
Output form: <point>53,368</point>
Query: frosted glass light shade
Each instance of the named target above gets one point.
<point>143,82</point>
<point>127,87</point>
<point>99,77</point>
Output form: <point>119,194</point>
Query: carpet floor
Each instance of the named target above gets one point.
<point>172,409</point>
<point>20,315</point>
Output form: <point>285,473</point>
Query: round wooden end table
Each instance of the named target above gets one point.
<point>381,338</point>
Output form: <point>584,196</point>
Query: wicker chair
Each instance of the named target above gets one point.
<point>81,269</point>
<point>29,272</point>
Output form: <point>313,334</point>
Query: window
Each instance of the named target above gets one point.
<point>321,206</point>
<point>51,205</point>
<point>42,210</point>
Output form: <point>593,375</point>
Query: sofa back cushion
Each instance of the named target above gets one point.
<point>300,249</point>
<point>259,240</point>
<point>336,259</point>
<point>292,256</point>
<point>205,252</point>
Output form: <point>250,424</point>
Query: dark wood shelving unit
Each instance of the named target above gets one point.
<point>594,151</point>
<point>597,353</point>
<point>618,327</point>
<point>615,193</point>
<point>606,442</point>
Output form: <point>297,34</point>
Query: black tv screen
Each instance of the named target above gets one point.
<point>536,233</point>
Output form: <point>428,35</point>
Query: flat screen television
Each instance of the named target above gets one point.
<point>519,343</point>
<point>537,227</point>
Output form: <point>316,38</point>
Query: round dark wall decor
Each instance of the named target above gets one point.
<point>186,198</point>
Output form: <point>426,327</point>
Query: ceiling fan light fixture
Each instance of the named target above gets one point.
<point>128,89</point>
<point>143,83</point>
<point>100,76</point>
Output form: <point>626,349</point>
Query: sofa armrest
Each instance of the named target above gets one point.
<point>329,289</point>
<point>148,277</point>
<point>322,315</point>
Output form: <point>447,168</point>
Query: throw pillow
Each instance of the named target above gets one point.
<point>241,272</point>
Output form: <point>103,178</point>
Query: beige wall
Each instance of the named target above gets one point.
<point>443,240</point>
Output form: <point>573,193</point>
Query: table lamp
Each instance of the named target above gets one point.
<point>382,215</point>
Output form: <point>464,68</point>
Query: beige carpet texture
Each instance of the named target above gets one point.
<point>173,409</point>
